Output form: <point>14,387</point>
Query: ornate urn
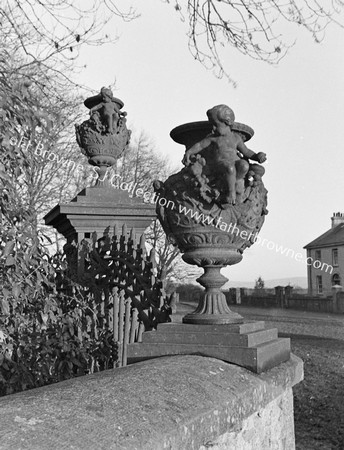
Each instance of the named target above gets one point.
<point>104,136</point>
<point>215,206</point>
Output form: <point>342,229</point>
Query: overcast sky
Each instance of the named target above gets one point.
<point>296,110</point>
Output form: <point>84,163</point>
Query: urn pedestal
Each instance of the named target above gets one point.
<point>249,344</point>
<point>102,138</point>
<point>212,307</point>
<point>212,226</point>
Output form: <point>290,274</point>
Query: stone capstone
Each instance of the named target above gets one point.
<point>181,402</point>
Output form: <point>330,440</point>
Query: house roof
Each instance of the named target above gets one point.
<point>334,236</point>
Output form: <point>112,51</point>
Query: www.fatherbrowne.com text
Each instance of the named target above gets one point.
<point>115,180</point>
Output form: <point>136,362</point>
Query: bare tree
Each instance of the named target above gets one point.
<point>259,284</point>
<point>251,26</point>
<point>39,158</point>
<point>50,33</point>
<point>142,163</point>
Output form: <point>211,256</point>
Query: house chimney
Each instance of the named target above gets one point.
<point>337,219</point>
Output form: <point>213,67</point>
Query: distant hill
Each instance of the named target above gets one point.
<point>293,281</point>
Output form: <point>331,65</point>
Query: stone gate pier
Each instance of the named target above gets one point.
<point>181,402</point>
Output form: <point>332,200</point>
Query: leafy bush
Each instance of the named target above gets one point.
<point>43,336</point>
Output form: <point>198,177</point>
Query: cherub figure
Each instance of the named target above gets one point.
<point>108,109</point>
<point>223,159</point>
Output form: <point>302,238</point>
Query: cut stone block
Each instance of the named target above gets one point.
<point>249,344</point>
<point>257,359</point>
<point>247,327</point>
<point>212,338</point>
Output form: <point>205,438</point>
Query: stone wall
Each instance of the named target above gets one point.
<point>181,402</point>
<point>266,301</point>
<point>305,303</point>
<point>338,302</point>
<point>284,297</point>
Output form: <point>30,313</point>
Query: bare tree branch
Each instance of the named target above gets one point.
<point>251,26</point>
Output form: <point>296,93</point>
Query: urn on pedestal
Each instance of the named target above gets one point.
<point>212,210</point>
<point>103,138</point>
<point>215,205</point>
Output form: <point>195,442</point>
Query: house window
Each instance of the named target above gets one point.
<point>318,255</point>
<point>335,257</point>
<point>319,284</point>
<point>335,279</point>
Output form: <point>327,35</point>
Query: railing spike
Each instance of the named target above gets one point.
<point>163,273</point>
<point>152,256</point>
<point>143,242</point>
